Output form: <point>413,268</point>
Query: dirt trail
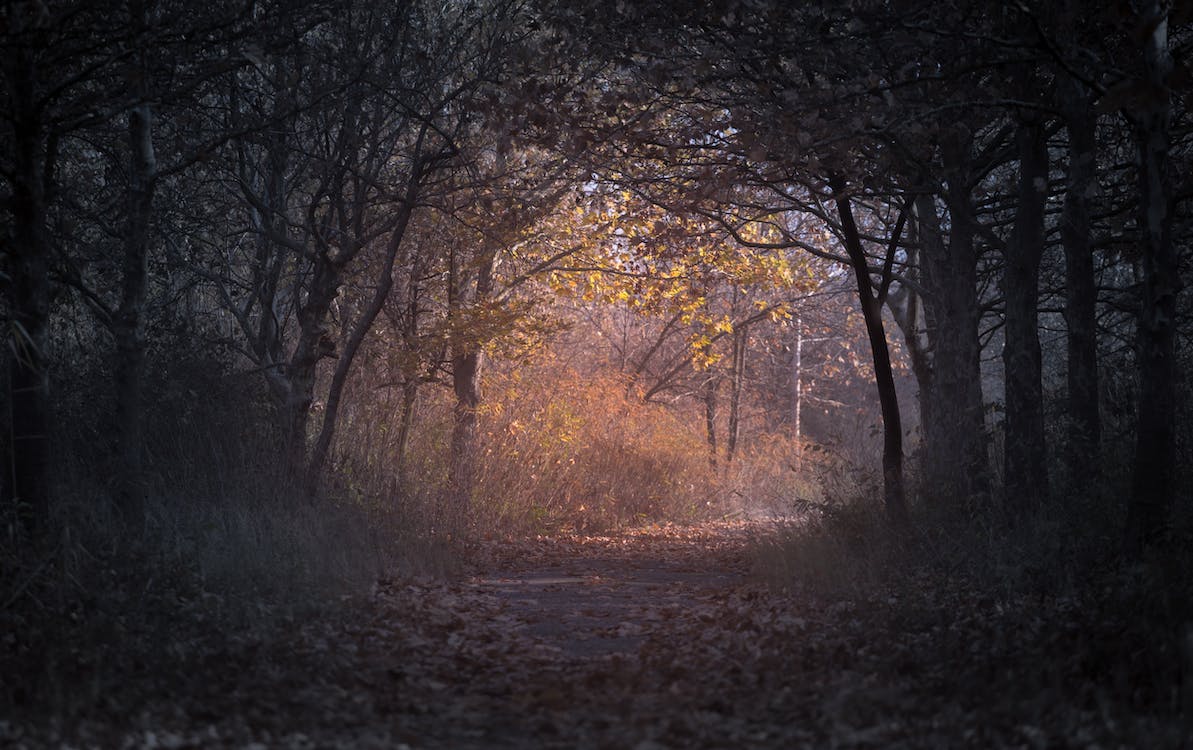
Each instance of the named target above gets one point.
<point>603,596</point>
<point>652,640</point>
<point>597,636</point>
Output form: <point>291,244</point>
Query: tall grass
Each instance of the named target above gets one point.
<point>229,547</point>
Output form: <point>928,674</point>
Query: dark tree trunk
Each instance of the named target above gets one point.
<point>313,344</point>
<point>405,424</point>
<point>128,324</point>
<point>29,298</point>
<point>894,493</point>
<point>710,420</point>
<point>1026,476</point>
<point>1153,485</point>
<point>1081,295</point>
<point>360,329</point>
<point>957,462</point>
<point>737,377</point>
<point>466,376</point>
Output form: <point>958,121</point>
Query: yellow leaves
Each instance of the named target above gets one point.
<point>703,354</point>
<point>780,313</point>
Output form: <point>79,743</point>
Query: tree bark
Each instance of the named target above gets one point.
<point>1153,484</point>
<point>1026,475</point>
<point>360,329</point>
<point>797,383</point>
<point>710,420</point>
<point>312,345</point>
<point>467,365</point>
<point>29,295</point>
<point>894,493</point>
<point>128,323</point>
<point>737,376</point>
<point>405,424</point>
<point>956,460</point>
<point>1081,295</point>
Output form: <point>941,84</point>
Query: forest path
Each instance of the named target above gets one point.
<point>597,644</point>
<point>652,639</point>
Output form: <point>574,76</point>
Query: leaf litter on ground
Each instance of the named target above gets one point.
<point>651,639</point>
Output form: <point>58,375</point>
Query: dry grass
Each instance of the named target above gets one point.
<point>229,549</point>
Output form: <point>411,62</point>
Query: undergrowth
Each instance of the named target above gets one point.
<point>557,450</point>
<point>1047,607</point>
<point>95,613</point>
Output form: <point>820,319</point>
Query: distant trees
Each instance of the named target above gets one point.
<point>966,112</point>
<point>318,184</point>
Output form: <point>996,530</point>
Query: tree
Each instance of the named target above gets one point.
<point>1154,485</point>
<point>385,98</point>
<point>1025,474</point>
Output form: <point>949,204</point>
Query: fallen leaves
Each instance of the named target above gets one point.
<point>657,638</point>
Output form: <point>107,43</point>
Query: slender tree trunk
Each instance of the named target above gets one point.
<point>1081,294</point>
<point>1026,480</point>
<point>737,376</point>
<point>29,298</point>
<point>906,310</point>
<point>894,493</point>
<point>467,365</point>
<point>797,386</point>
<point>405,424</point>
<point>129,321</point>
<point>360,330</point>
<point>312,345</point>
<point>710,419</point>
<point>1154,480</point>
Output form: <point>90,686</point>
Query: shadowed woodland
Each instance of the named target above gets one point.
<point>512,373</point>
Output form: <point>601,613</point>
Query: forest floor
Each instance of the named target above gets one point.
<point>649,639</point>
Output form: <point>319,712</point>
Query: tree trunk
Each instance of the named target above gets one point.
<point>128,327</point>
<point>1026,476</point>
<point>737,376</point>
<point>313,344</point>
<point>467,364</point>
<point>360,330</point>
<point>29,295</point>
<point>797,390</point>
<point>710,420</point>
<point>466,376</point>
<point>1081,293</point>
<point>956,460</point>
<point>894,494</point>
<point>405,423</point>
<point>1153,485</point>
<point>907,312</point>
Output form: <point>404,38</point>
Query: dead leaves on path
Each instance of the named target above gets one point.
<point>650,640</point>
